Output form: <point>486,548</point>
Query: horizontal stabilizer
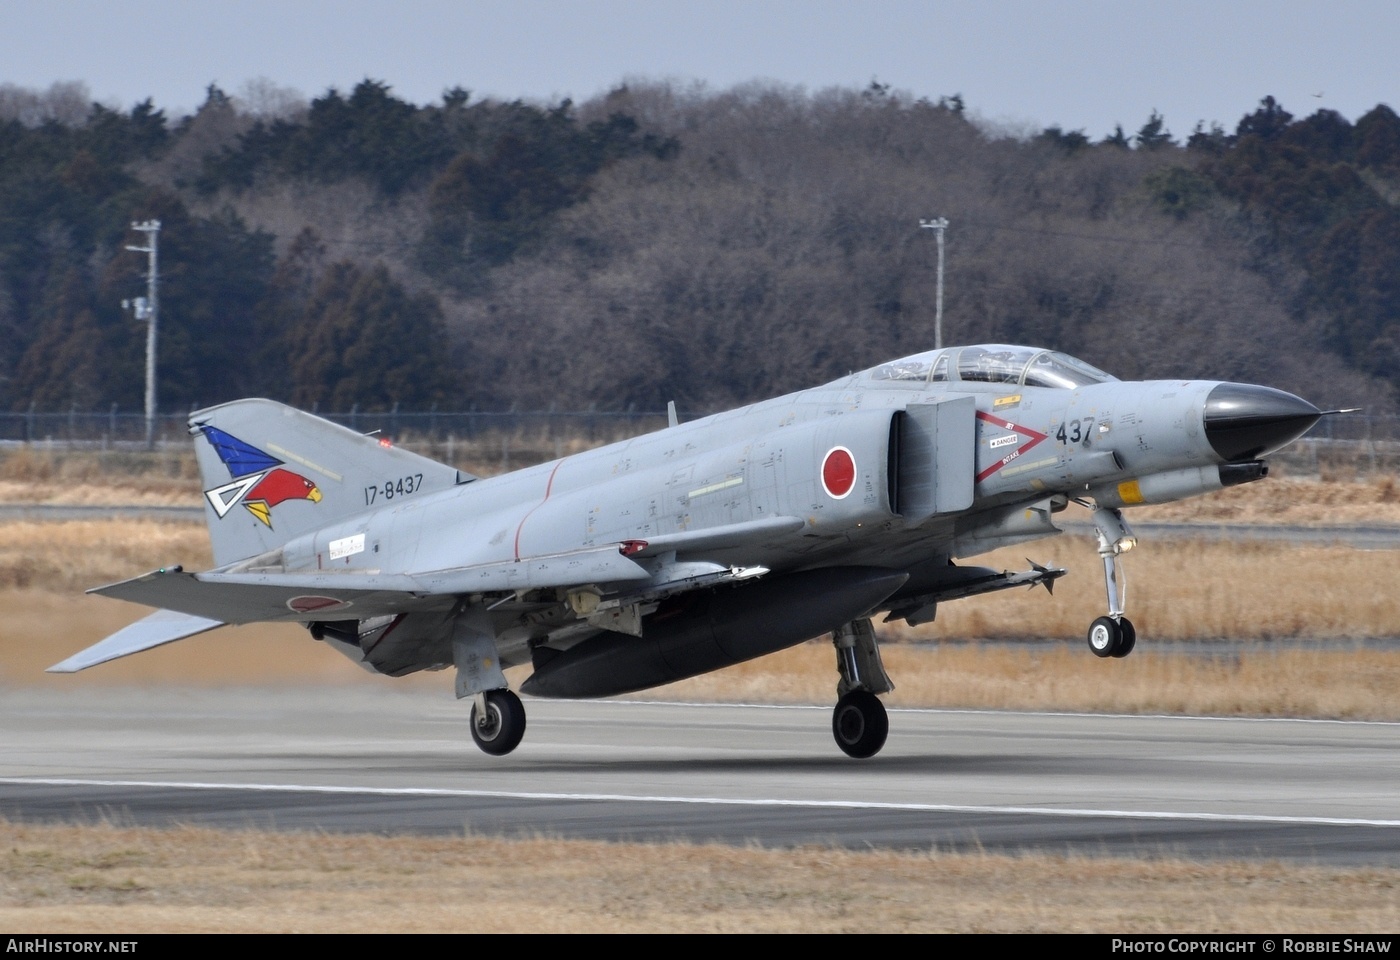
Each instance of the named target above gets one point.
<point>161,627</point>
<point>255,597</point>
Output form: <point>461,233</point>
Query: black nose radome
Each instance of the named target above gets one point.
<point>1246,422</point>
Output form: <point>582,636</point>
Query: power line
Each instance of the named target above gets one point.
<point>1068,235</point>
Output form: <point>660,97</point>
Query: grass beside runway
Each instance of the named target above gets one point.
<point>1261,595</point>
<point>111,879</point>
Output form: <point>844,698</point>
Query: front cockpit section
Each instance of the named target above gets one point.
<point>990,363</point>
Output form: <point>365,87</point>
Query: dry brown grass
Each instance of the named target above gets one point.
<point>1186,589</point>
<point>73,556</point>
<point>1339,684</point>
<point>1179,591</point>
<point>36,475</point>
<point>1289,500</point>
<point>106,878</point>
<point>1258,680</point>
<point>42,628</point>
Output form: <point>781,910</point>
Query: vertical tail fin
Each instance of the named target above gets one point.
<point>272,473</point>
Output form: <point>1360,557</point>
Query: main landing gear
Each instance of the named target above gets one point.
<point>859,723</point>
<point>1113,635</point>
<point>498,716</point>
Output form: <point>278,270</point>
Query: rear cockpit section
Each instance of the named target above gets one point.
<point>990,363</point>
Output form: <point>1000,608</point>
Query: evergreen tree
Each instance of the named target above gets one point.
<point>1153,135</point>
<point>1377,139</point>
<point>66,363</point>
<point>1117,138</point>
<point>364,340</point>
<point>1266,123</point>
<point>1071,142</point>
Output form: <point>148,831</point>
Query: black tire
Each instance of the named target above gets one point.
<point>502,727</point>
<point>1128,640</point>
<point>1105,637</point>
<point>860,724</point>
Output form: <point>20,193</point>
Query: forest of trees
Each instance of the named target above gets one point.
<point>666,242</point>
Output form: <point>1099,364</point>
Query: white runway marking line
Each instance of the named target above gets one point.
<point>711,801</point>
<point>968,711</point>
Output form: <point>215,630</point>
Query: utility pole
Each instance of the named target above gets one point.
<point>939,225</point>
<point>147,308</point>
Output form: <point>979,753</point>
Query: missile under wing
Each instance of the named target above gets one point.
<point>701,545</point>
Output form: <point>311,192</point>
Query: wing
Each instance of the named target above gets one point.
<point>595,588</point>
<point>276,596</point>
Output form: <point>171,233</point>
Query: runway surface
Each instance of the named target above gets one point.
<point>396,760</point>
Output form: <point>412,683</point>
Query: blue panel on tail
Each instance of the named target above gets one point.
<point>240,458</point>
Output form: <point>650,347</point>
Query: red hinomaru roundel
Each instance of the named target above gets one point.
<point>839,473</point>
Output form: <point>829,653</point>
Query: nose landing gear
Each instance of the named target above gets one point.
<point>1113,635</point>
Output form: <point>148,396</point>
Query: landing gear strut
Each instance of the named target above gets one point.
<point>1113,635</point>
<point>498,716</point>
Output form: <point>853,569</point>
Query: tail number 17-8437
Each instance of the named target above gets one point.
<point>390,489</point>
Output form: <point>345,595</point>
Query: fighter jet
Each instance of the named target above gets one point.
<point>703,544</point>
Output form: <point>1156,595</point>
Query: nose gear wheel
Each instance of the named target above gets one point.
<point>1112,637</point>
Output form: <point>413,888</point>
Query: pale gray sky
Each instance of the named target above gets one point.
<point>1082,64</point>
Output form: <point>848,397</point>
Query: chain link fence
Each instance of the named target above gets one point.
<point>502,440</point>
<point>477,440</point>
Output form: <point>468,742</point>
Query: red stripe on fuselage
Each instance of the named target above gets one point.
<point>548,488</point>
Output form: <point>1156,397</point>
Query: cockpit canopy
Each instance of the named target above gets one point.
<point>992,363</point>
